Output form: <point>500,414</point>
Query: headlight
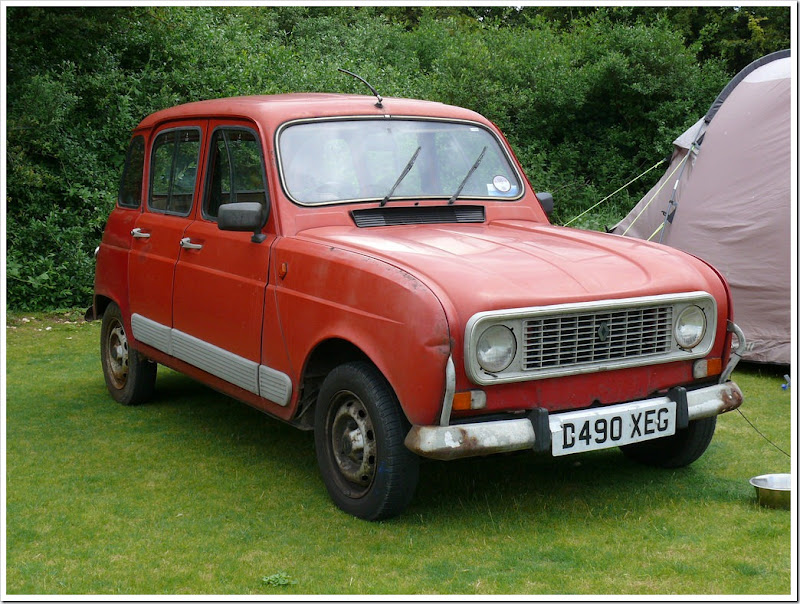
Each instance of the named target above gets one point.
<point>690,327</point>
<point>496,348</point>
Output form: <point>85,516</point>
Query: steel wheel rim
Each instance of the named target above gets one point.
<point>352,440</point>
<point>116,353</point>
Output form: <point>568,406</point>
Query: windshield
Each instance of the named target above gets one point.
<point>332,161</point>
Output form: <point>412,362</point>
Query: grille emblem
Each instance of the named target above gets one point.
<point>603,331</point>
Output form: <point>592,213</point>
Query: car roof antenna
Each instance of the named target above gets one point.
<point>379,104</point>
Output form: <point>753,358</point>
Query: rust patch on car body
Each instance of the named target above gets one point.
<point>468,443</point>
<point>731,399</point>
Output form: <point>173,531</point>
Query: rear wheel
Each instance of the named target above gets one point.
<point>359,431</point>
<point>130,377</point>
<point>678,450</point>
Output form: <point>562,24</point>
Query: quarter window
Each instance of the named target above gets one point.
<point>130,191</point>
<point>235,170</point>
<point>174,171</point>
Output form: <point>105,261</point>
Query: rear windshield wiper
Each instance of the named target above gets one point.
<point>466,178</point>
<point>400,178</point>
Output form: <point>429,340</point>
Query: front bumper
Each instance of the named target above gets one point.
<point>534,432</point>
<point>537,429</point>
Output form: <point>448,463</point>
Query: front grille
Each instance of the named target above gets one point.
<point>586,338</point>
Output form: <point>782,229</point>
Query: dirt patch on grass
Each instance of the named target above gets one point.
<point>41,320</point>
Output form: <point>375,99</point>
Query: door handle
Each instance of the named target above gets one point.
<point>139,234</point>
<point>186,243</point>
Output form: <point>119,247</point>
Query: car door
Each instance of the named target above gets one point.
<point>175,155</point>
<point>221,276</point>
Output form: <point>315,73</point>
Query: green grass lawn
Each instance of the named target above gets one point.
<point>198,494</point>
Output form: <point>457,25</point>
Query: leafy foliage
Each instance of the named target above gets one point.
<point>588,97</point>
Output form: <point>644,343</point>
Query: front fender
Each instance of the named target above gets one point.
<point>390,315</point>
<point>725,315</point>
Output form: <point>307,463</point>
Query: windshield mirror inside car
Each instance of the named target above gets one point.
<point>335,161</point>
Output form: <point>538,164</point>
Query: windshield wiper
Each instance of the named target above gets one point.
<point>403,174</point>
<point>466,178</point>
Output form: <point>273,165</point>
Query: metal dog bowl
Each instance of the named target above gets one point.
<point>773,490</point>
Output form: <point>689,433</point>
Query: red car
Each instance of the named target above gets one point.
<point>383,273</point>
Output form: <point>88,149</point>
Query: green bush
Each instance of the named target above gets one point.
<point>586,102</point>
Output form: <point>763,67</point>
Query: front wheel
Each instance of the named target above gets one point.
<point>359,431</point>
<point>130,377</point>
<point>678,450</point>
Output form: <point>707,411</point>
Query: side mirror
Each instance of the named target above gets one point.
<point>245,216</point>
<point>546,201</point>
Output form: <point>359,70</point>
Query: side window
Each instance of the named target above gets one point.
<point>130,190</point>
<point>235,170</point>
<point>174,171</point>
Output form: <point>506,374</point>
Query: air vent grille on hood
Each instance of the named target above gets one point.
<point>375,217</point>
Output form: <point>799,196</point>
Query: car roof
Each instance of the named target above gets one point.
<point>279,108</point>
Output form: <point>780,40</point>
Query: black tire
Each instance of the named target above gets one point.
<point>677,451</point>
<point>130,377</point>
<point>359,431</point>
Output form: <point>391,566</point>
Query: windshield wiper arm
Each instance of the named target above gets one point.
<point>466,178</point>
<point>403,174</point>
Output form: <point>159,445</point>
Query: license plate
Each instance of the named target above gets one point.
<point>603,428</point>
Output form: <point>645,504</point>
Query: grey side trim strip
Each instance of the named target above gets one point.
<point>274,385</point>
<point>261,380</point>
<point>216,361</point>
<point>151,333</point>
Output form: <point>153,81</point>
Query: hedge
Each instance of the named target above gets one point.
<point>587,103</point>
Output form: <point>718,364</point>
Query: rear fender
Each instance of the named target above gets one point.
<point>111,264</point>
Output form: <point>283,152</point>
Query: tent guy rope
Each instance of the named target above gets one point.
<point>666,180</point>
<point>630,182</point>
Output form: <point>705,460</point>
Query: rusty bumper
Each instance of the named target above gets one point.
<point>486,438</point>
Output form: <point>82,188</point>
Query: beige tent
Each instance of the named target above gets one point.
<point>726,197</point>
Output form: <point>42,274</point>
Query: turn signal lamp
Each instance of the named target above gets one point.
<point>472,399</point>
<point>706,367</point>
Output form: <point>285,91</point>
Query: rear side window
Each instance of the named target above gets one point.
<point>173,171</point>
<point>130,190</point>
<point>235,170</point>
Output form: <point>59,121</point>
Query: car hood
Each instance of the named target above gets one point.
<point>513,264</point>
